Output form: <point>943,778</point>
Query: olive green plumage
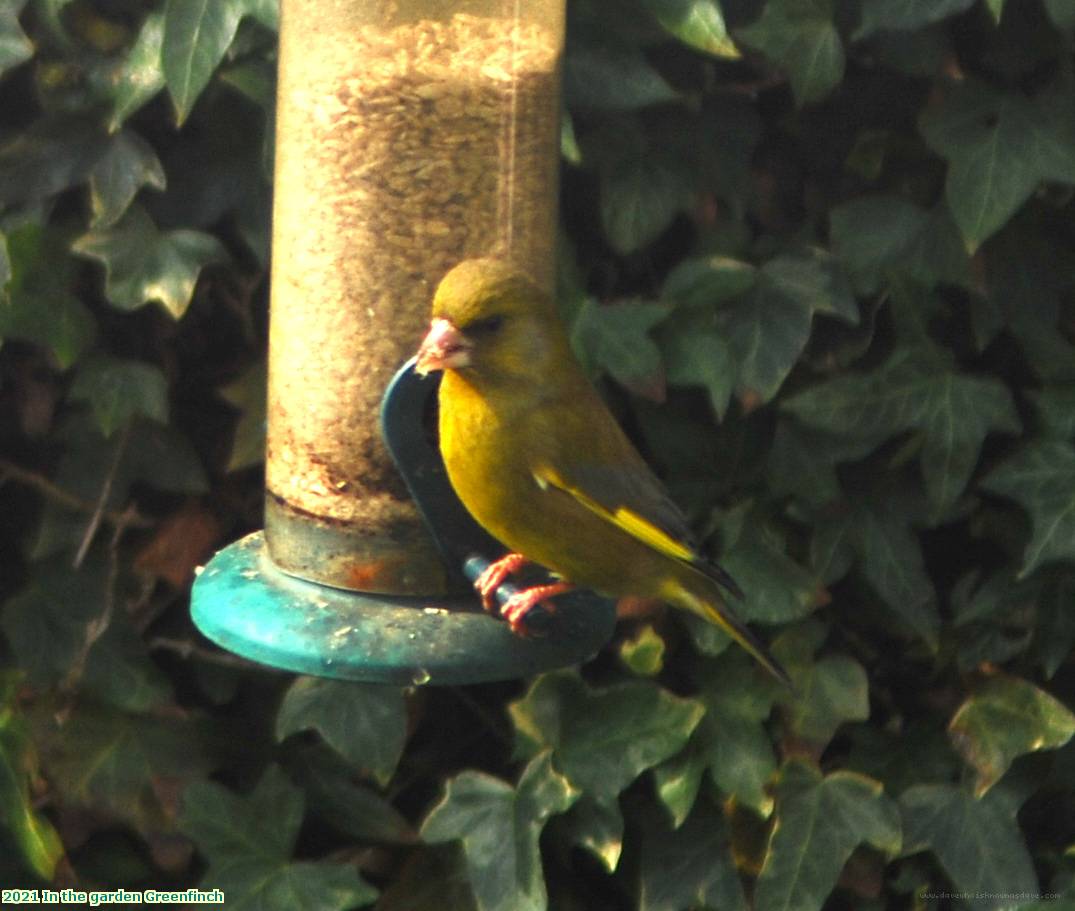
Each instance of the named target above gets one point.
<point>539,461</point>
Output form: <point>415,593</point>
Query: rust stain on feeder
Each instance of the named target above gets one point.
<point>395,558</point>
<point>385,575</point>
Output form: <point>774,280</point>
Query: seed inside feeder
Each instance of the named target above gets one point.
<point>400,152</point>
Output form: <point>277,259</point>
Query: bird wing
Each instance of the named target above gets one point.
<point>633,500</point>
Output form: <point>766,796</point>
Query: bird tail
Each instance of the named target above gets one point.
<point>711,608</point>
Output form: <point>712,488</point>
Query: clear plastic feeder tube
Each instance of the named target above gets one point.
<point>410,136</point>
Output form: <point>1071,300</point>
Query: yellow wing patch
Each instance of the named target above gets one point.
<point>622,517</point>
<point>676,592</point>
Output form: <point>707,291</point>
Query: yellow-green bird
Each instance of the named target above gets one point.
<point>538,460</point>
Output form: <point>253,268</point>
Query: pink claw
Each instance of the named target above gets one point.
<point>495,573</point>
<point>520,604</point>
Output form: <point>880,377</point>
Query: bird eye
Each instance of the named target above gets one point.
<point>485,326</point>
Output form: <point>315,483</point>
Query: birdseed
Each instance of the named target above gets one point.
<point>400,152</point>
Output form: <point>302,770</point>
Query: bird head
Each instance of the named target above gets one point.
<point>491,323</point>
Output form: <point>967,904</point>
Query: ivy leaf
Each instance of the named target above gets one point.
<point>364,723</point>
<point>602,739</point>
<point>689,867</point>
<point>37,842</point>
<point>1041,478</point>
<point>872,232</point>
<point>614,338</point>
<point>1003,719</point>
<point>226,825</point>
<point>197,33</point>
<point>140,76</point>
<point>251,861</point>
<point>641,194</point>
<point>349,807</point>
<point>499,827</point>
<point>128,165</point>
<point>569,144</point>
<point>937,254</point>
<point>977,842</point>
<point>880,235</point>
<point>918,753</point>
<point>157,455</point>
<point>266,12</point>
<point>119,671</point>
<point>5,268</point>
<point>643,653</point>
<point>249,394</point>
<point>698,23</point>
<point>999,146</point>
<point>815,279</point>
<point>800,36</point>
<point>143,263</point>
<point>878,531</point>
<point>699,357</point>
<point>162,457</point>
<point>820,821</point>
<point>48,625</point>
<point>1055,406</point>
<point>996,9</point>
<point>703,461</point>
<point>679,779</point>
<point>276,886</point>
<point>954,435</point>
<point>769,329</point>
<point>829,692</point>
<point>704,281</point>
<point>731,740</point>
<point>53,154</point>
<point>802,463</point>
<point>999,597</point>
<point>255,80</point>
<point>40,307</point>
<point>1062,13</point>
<point>1027,278</point>
<point>1054,636</point>
<point>607,76</point>
<point>728,132</point>
<point>102,757</point>
<point>120,390</point>
<point>906,15</point>
<point>916,390</point>
<point>777,588</point>
<point>15,47</point>
<point>596,828</point>
<point>46,622</point>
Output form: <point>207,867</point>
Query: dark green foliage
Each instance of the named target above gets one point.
<point>818,255</point>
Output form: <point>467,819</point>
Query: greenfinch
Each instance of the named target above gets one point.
<point>539,461</point>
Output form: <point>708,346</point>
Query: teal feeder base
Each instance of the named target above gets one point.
<point>245,604</point>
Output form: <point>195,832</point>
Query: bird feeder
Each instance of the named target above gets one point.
<point>410,136</point>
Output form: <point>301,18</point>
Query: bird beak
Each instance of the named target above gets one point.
<point>443,348</point>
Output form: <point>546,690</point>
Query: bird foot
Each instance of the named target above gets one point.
<point>519,605</point>
<point>494,575</point>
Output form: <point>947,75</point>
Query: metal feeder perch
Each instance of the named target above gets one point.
<point>409,138</point>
